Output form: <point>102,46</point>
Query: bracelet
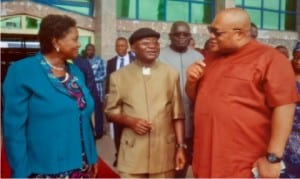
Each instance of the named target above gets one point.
<point>179,146</point>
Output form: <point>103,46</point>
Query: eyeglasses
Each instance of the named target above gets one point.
<point>218,33</point>
<point>178,34</point>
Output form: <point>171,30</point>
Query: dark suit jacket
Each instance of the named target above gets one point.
<point>87,70</point>
<point>112,66</point>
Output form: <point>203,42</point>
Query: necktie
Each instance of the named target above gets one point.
<point>122,62</point>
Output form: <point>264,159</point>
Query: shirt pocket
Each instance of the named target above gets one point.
<point>238,81</point>
<point>169,150</point>
<point>127,149</point>
<point>128,141</point>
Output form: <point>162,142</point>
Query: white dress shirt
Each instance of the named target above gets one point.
<point>126,61</point>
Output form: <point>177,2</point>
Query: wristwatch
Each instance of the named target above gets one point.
<point>272,158</point>
<point>178,146</point>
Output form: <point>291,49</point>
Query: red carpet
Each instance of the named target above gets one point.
<point>104,171</point>
<point>5,169</point>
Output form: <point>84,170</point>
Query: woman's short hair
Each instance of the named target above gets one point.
<point>53,26</point>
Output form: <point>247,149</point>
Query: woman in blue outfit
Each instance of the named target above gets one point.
<point>292,150</point>
<point>47,108</point>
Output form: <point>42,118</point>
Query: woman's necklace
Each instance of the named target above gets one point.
<point>54,67</point>
<point>66,78</point>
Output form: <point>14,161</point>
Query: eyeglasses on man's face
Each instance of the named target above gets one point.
<point>179,34</point>
<point>216,32</point>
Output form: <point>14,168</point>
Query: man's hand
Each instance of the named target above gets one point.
<point>267,169</point>
<point>140,126</point>
<point>180,159</point>
<point>195,71</point>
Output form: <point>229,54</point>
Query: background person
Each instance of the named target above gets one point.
<point>179,55</point>
<point>283,49</point>
<point>145,98</point>
<point>254,31</point>
<point>292,150</point>
<point>87,70</point>
<point>99,70</point>
<point>206,48</point>
<point>85,67</point>
<point>47,108</point>
<point>245,98</point>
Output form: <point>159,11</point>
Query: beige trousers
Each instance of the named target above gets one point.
<point>167,174</point>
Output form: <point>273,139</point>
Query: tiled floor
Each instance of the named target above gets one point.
<point>106,150</point>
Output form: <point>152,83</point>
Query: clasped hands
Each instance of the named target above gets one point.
<point>142,126</point>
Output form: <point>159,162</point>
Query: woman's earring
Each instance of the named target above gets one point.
<point>57,49</point>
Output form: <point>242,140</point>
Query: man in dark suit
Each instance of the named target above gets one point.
<point>87,70</point>
<point>122,59</point>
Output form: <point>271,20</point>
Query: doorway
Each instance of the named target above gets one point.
<point>15,47</point>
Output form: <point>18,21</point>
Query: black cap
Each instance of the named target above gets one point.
<point>142,33</point>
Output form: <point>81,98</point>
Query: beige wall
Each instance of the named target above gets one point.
<point>200,34</point>
<point>26,7</point>
<point>106,27</point>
